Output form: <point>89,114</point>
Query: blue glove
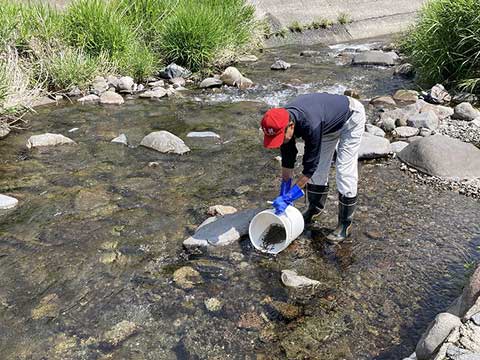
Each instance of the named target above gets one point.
<point>283,201</point>
<point>285,186</point>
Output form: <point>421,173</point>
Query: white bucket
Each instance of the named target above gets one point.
<point>291,220</point>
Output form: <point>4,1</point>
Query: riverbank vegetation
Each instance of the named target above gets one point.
<point>444,44</point>
<point>45,49</point>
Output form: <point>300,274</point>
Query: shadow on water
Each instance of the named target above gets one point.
<point>98,235</point>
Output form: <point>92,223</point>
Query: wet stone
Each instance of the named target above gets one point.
<point>111,98</point>
<point>121,139</point>
<point>7,202</point>
<point>119,333</point>
<point>250,321</point>
<point>280,65</point>
<point>48,307</point>
<point>213,305</point>
<point>187,277</point>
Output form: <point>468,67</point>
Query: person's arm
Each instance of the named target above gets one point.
<point>289,155</point>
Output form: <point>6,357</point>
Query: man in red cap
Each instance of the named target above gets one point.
<point>325,122</point>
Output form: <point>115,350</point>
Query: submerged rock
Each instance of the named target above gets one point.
<point>111,98</point>
<point>7,202</point>
<point>187,277</point>
<point>280,65</point>
<point>224,231</point>
<point>121,139</point>
<point>310,53</point>
<point>213,305</point>
<point>48,140</point>
<point>373,147</point>
<point>382,100</point>
<point>466,112</point>
<point>437,332</point>
<point>247,58</point>
<point>165,142</point>
<point>119,333</point>
<point>4,130</point>
<point>442,156</point>
<point>375,58</point>
<point>291,279</point>
<point>221,210</point>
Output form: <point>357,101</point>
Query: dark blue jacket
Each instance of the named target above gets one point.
<point>314,115</point>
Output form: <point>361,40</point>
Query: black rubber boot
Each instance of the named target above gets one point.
<point>317,197</point>
<point>346,208</point>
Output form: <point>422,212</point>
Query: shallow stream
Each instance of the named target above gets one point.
<point>99,230</point>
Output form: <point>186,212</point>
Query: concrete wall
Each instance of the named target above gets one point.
<point>371,18</point>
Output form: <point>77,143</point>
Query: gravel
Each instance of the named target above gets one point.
<point>462,130</point>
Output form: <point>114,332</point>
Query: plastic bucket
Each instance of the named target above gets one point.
<point>291,220</point>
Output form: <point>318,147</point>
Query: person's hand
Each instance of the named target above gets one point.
<point>281,203</point>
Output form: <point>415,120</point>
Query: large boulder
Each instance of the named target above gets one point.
<point>165,142</point>
<point>465,111</point>
<point>375,58</point>
<point>428,120</point>
<point>223,231</point>
<point>442,156</point>
<point>48,140</point>
<point>373,147</point>
<point>436,333</point>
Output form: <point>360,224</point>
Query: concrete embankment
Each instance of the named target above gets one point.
<point>370,18</point>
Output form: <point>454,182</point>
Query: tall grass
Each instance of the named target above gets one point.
<point>444,44</point>
<point>202,33</point>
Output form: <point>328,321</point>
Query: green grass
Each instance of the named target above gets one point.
<point>295,26</point>
<point>3,81</point>
<point>322,23</point>
<point>444,45</point>
<point>344,18</point>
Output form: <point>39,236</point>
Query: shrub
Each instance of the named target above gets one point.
<point>344,18</point>
<point>322,23</point>
<point>444,45</point>
<point>138,61</point>
<point>295,27</point>
<point>200,33</point>
<point>98,27</point>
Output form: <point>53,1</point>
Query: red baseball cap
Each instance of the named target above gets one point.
<point>273,124</point>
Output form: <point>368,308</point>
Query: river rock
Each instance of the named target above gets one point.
<point>165,142</point>
<point>223,231</point>
<point>475,123</point>
<point>441,111</point>
<point>310,53</point>
<point>373,147</point>
<point>471,292</point>
<point>4,130</point>
<point>156,93</point>
<point>425,132</point>
<point>245,83</point>
<point>231,76</point>
<point>211,83</point>
<point>99,85</point>
<point>438,95</point>
<point>436,333</point>
<point>460,97</point>
<point>396,117</point>
<point>406,71</point>
<point>442,156</point>
<point>175,71</point>
<point>280,65</point>
<point>121,139</point>
<point>428,120</point>
<point>48,140</point>
<point>291,279</point>
<point>125,83</point>
<point>111,98</point>
<point>187,277</point>
<point>405,132</point>
<point>375,58</point>
<point>119,333</point>
<point>374,130</point>
<point>221,210</point>
<point>383,100</point>
<point>92,98</point>
<point>466,112</point>
<point>213,305</point>
<point>247,58</point>
<point>203,134</point>
<point>398,146</point>
<point>406,96</point>
<point>156,84</point>
<point>178,82</point>
<point>7,202</point>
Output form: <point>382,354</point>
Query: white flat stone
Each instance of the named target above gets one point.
<point>165,142</point>
<point>291,279</point>
<point>121,139</point>
<point>7,202</point>
<point>202,134</point>
<point>48,140</point>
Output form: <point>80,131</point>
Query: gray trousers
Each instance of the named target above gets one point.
<point>347,142</point>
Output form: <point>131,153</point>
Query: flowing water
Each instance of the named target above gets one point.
<point>99,230</point>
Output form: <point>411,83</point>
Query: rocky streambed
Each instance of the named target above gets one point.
<point>92,262</point>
